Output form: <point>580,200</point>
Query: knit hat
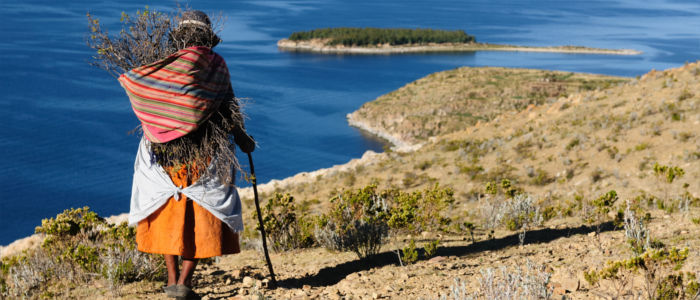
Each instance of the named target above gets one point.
<point>196,19</point>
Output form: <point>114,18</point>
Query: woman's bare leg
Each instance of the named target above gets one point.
<point>188,266</point>
<point>171,265</point>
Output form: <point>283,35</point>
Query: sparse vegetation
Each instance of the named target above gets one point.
<point>659,270</point>
<point>431,248</point>
<point>508,207</point>
<point>287,226</point>
<point>358,220</point>
<point>80,246</point>
<point>601,206</point>
<point>635,231</point>
<point>670,173</point>
<point>453,100</point>
<point>527,282</point>
<point>409,255</point>
<point>355,222</point>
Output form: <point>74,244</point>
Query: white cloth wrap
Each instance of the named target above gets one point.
<point>152,188</point>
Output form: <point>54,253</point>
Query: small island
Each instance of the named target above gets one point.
<point>369,40</point>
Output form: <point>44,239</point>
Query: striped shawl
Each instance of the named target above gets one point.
<point>174,96</point>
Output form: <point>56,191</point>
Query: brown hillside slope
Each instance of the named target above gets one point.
<point>585,143</point>
<point>574,147</point>
<point>564,152</point>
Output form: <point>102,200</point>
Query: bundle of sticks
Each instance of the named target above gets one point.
<point>150,36</point>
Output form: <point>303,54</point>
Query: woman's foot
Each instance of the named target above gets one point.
<point>171,291</point>
<point>184,292</point>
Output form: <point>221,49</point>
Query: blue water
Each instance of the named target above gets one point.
<point>64,139</point>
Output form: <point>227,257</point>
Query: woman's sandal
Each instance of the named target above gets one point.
<point>184,292</point>
<point>171,291</point>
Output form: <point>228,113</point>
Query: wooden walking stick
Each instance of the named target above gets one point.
<point>273,283</point>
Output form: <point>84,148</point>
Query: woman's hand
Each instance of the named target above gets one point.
<point>245,142</point>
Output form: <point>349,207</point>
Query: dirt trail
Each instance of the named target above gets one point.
<point>565,249</point>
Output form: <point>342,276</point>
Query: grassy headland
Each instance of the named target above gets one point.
<point>450,101</point>
<point>402,40</point>
<point>554,133</point>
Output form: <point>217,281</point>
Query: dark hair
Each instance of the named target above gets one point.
<point>194,29</point>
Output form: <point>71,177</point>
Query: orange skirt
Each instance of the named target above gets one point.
<point>185,228</point>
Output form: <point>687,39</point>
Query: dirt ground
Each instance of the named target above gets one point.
<point>563,249</point>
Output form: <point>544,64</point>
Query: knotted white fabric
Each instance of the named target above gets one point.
<point>152,188</point>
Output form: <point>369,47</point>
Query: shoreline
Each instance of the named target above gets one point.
<point>368,158</point>
<point>318,46</point>
<point>397,143</point>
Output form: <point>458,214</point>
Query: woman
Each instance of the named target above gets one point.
<point>184,202</point>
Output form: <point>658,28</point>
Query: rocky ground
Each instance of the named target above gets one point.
<point>564,249</point>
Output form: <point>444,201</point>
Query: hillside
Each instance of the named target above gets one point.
<point>564,139</point>
<point>452,100</point>
<point>582,143</point>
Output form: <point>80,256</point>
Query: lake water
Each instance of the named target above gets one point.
<point>64,139</point>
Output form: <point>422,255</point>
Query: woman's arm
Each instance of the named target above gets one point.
<point>242,139</point>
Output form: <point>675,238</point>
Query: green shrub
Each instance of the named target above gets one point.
<point>573,143</point>
<point>670,173</point>
<point>72,222</point>
<point>474,148</point>
<point>424,165</point>
<point>642,147</point>
<point>472,170</point>
<point>659,270</point>
<point>505,188</point>
<point>542,178</point>
<point>419,210</point>
<point>431,248</point>
<point>601,206</point>
<point>549,212</point>
<point>79,245</point>
<point>521,212</point>
<point>285,224</point>
<point>356,221</point>
<point>359,221</point>
<point>71,237</point>
<point>121,262</point>
<point>409,255</point>
<point>604,203</point>
<point>685,94</point>
<point>469,226</point>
